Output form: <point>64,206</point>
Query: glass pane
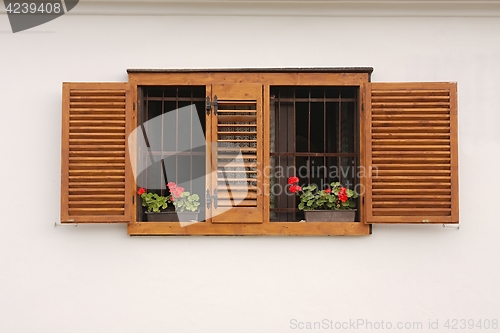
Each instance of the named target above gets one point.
<point>313,137</point>
<point>347,130</point>
<point>302,92</point>
<point>173,143</point>
<point>333,170</point>
<point>347,171</point>
<point>332,132</point>
<point>317,92</point>
<point>317,130</point>
<point>302,127</point>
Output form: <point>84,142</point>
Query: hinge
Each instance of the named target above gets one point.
<point>208,198</point>
<point>209,104</point>
<point>363,107</point>
<point>216,106</point>
<point>133,199</point>
<point>212,198</point>
<point>216,199</point>
<point>134,106</point>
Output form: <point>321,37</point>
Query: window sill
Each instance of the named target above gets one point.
<point>260,229</point>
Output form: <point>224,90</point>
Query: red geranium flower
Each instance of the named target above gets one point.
<point>141,191</point>
<point>342,195</point>
<point>171,185</point>
<point>293,180</point>
<point>328,190</point>
<point>295,188</point>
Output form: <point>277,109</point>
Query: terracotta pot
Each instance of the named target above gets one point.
<point>172,216</point>
<point>341,215</point>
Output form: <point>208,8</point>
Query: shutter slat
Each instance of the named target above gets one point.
<point>95,191</point>
<point>236,149</point>
<point>410,147</point>
<point>410,135</point>
<point>407,92</point>
<point>244,203</point>
<point>411,111</point>
<point>236,111</point>
<point>415,116</point>
<point>412,153</point>
<point>94,156</point>
<point>409,142</point>
<point>421,197</point>
<point>413,204</point>
<point>410,160</point>
<point>92,197</point>
<point>414,129</point>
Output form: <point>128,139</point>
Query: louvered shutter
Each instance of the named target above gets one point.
<point>95,163</point>
<point>238,167</point>
<point>411,153</point>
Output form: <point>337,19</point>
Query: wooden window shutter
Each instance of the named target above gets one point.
<point>237,132</point>
<point>95,171</point>
<point>411,153</point>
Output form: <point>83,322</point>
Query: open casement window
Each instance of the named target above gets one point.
<point>95,183</point>
<point>395,143</point>
<point>412,153</point>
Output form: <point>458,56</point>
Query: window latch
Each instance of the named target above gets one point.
<point>209,104</point>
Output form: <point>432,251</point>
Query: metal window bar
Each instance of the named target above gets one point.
<point>345,150</point>
<point>191,95</point>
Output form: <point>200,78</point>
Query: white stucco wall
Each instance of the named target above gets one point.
<point>95,278</point>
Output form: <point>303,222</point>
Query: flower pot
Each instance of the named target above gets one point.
<point>172,216</point>
<point>341,215</point>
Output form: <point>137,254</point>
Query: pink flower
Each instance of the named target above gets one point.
<point>177,191</point>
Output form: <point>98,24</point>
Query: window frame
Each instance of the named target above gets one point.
<point>357,77</point>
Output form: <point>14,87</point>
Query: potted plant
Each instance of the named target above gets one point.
<point>333,204</point>
<point>185,203</point>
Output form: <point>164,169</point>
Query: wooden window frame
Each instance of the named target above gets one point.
<point>359,77</point>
